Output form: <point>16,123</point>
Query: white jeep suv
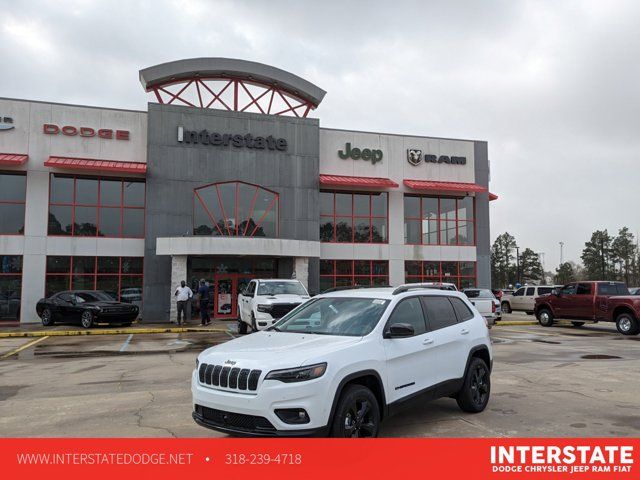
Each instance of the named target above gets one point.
<point>343,361</point>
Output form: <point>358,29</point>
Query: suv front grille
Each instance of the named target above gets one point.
<point>249,423</point>
<point>227,377</point>
<point>279,310</point>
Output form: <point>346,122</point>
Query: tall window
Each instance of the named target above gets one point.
<point>121,277</point>
<point>13,187</point>
<point>10,287</point>
<point>462,274</point>
<point>235,209</point>
<point>439,220</point>
<point>90,207</point>
<point>353,217</point>
<point>346,273</point>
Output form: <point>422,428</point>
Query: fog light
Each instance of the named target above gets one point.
<point>293,415</point>
<point>262,324</point>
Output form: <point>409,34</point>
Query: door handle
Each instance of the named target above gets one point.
<point>464,331</point>
<point>427,341</point>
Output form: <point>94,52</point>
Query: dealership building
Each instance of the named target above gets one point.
<point>227,177</point>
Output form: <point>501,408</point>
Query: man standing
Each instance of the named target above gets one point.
<point>183,294</point>
<point>203,291</point>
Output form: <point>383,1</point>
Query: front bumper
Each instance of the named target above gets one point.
<point>253,414</point>
<point>115,317</point>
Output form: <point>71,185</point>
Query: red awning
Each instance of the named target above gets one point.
<point>93,165</point>
<point>13,159</point>
<point>428,186</point>
<point>492,196</point>
<point>344,181</point>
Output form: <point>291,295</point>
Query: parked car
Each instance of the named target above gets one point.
<point>344,361</point>
<point>264,302</point>
<point>497,293</point>
<point>582,302</point>
<point>485,302</point>
<point>634,291</point>
<point>86,307</point>
<point>524,298</point>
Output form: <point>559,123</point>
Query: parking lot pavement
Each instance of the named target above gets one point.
<point>560,381</point>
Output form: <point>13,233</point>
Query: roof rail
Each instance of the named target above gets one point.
<point>422,286</point>
<point>353,287</point>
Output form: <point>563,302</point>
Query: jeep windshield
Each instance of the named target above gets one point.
<point>281,288</point>
<point>352,317</point>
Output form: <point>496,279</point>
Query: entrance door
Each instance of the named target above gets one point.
<point>223,303</point>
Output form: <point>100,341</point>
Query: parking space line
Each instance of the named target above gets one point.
<point>126,343</point>
<point>23,347</point>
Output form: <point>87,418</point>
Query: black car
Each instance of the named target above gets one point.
<point>85,306</point>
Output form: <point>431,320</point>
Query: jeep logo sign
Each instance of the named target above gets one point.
<point>415,157</point>
<point>374,156</point>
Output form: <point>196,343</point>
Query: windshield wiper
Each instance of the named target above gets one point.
<point>274,328</point>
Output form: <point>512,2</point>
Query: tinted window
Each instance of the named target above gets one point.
<point>569,289</point>
<point>530,291</point>
<point>519,292</point>
<point>461,309</point>
<point>584,289</point>
<point>612,289</point>
<point>440,312</point>
<point>409,311</point>
<point>544,290</point>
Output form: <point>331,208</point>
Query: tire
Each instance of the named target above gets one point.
<point>627,324</point>
<point>545,317</point>
<point>242,327</point>
<point>357,413</point>
<point>87,319</point>
<point>577,324</point>
<point>476,389</point>
<point>506,308</point>
<point>254,325</point>
<point>47,318</point>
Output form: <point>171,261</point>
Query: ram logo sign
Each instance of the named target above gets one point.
<point>415,158</point>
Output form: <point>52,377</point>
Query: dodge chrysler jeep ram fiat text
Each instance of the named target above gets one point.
<point>343,361</point>
<point>591,301</point>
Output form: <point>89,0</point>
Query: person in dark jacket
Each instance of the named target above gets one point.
<point>203,292</point>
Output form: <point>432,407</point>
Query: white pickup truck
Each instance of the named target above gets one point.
<point>485,302</point>
<point>264,302</point>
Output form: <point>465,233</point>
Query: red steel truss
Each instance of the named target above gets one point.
<point>232,94</point>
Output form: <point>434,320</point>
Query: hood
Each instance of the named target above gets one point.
<point>104,303</point>
<point>283,298</point>
<point>269,350</point>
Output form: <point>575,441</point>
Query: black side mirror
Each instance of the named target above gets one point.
<point>399,330</point>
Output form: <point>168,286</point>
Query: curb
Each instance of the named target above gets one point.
<point>121,331</point>
<point>513,323</point>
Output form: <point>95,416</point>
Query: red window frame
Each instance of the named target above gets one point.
<point>16,202</point>
<point>439,219</point>
<point>122,207</point>
<point>441,277</point>
<point>235,231</point>
<point>70,274</point>
<point>353,217</point>
<point>353,278</point>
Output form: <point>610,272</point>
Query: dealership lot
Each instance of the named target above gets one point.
<point>561,381</point>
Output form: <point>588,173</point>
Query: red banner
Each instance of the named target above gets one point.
<point>392,459</point>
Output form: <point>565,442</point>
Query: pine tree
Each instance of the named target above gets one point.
<point>597,256</point>
<point>501,257</point>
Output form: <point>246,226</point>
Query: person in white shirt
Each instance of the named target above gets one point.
<point>183,294</point>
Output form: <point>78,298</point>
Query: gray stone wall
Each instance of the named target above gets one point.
<point>483,239</point>
<point>175,169</point>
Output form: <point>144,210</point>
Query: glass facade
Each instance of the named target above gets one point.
<point>121,277</point>
<point>439,220</point>
<point>354,217</point>
<point>345,273</point>
<point>235,209</point>
<point>462,274</point>
<point>10,287</point>
<point>90,207</point>
<point>13,188</point>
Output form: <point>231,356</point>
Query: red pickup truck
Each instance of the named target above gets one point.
<point>582,302</point>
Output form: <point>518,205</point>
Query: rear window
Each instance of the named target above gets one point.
<point>478,293</point>
<point>439,311</point>
<point>461,309</point>
<point>612,289</point>
<point>530,291</point>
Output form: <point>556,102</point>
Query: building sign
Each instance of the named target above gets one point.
<point>6,123</point>
<point>204,137</point>
<point>367,154</point>
<point>70,131</point>
<point>415,157</point>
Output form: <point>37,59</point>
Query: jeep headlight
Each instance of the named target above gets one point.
<point>299,374</point>
<point>264,308</point>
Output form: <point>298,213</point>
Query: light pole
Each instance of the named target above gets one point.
<point>517,264</point>
<point>561,245</point>
<point>544,277</point>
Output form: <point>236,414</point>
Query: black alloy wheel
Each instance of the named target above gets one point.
<point>476,389</point>
<point>87,319</point>
<point>47,317</point>
<point>357,414</point>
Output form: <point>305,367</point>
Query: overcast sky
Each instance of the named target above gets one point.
<point>553,86</point>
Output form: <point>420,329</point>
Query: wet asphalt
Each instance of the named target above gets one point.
<point>559,381</point>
